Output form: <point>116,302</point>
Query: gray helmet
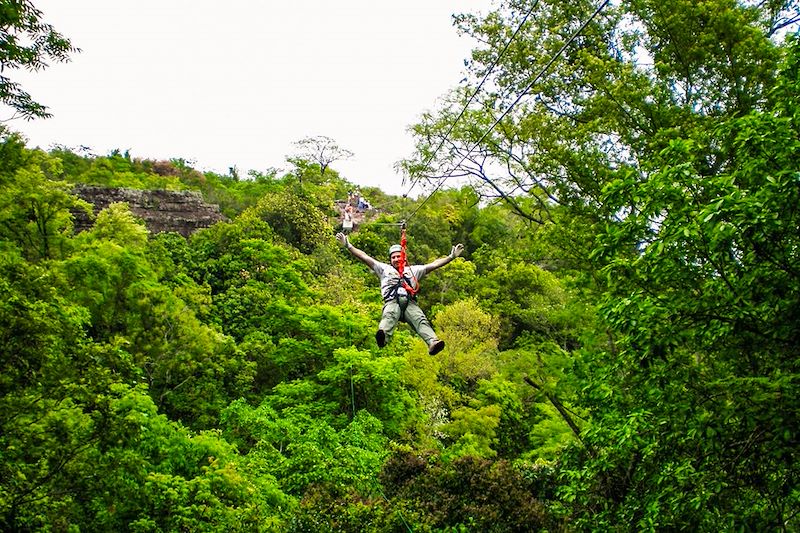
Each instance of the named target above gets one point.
<point>395,248</point>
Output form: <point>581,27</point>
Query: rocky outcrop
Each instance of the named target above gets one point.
<point>183,212</point>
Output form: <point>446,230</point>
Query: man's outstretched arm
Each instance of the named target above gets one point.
<point>439,263</point>
<point>360,254</point>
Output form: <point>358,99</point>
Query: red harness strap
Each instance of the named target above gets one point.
<point>411,290</point>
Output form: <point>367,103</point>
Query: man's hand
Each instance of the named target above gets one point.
<point>343,240</point>
<point>456,251</point>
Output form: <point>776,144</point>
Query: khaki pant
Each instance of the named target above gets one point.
<point>414,317</point>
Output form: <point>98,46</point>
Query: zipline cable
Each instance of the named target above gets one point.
<point>474,94</point>
<point>514,103</point>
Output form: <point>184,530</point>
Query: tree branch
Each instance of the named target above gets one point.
<point>559,407</point>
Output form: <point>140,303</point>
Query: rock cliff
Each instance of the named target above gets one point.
<point>183,212</point>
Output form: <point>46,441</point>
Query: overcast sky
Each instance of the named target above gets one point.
<point>236,82</point>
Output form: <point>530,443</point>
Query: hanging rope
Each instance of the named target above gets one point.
<point>402,264</point>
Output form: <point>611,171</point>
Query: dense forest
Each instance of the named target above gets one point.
<point>622,328</point>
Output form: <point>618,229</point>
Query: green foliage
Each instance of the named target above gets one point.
<point>467,494</point>
<point>44,426</point>
<point>13,154</point>
<point>472,345</point>
<point>528,299</point>
<point>211,258</point>
<point>327,508</point>
<point>358,380</point>
<point>119,170</point>
<point>38,325</point>
<point>73,162</point>
<point>117,224</point>
<point>174,330</point>
<point>172,349</point>
<point>663,149</point>
<point>494,228</point>
<point>163,478</point>
<point>170,257</point>
<point>517,418</point>
<point>84,451</point>
<point>300,451</point>
<point>449,285</point>
<point>35,206</point>
<point>372,243</point>
<point>28,42</point>
<point>621,333</point>
<point>544,373</point>
<point>691,395</point>
<point>473,430</point>
<point>232,195</point>
<point>294,220</point>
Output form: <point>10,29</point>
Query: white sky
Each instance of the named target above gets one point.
<point>236,82</point>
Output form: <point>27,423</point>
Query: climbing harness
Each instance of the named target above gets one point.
<point>401,267</point>
<point>404,282</point>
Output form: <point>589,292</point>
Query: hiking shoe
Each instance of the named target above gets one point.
<point>380,338</point>
<point>436,347</point>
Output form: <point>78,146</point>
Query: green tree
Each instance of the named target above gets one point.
<point>471,336</point>
<point>190,367</point>
<point>638,76</point>
<point>322,150</point>
<point>527,299</point>
<point>466,494</point>
<point>663,139</point>
<point>294,219</point>
<point>357,380</point>
<point>301,450</point>
<point>36,205</point>
<point>13,154</point>
<point>120,170</point>
<point>703,308</point>
<point>27,42</point>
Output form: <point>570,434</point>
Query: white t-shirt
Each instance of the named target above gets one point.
<point>390,277</point>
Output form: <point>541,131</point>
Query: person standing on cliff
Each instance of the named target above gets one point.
<point>399,292</point>
<point>347,221</point>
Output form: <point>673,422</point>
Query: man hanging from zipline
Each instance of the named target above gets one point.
<point>400,292</point>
